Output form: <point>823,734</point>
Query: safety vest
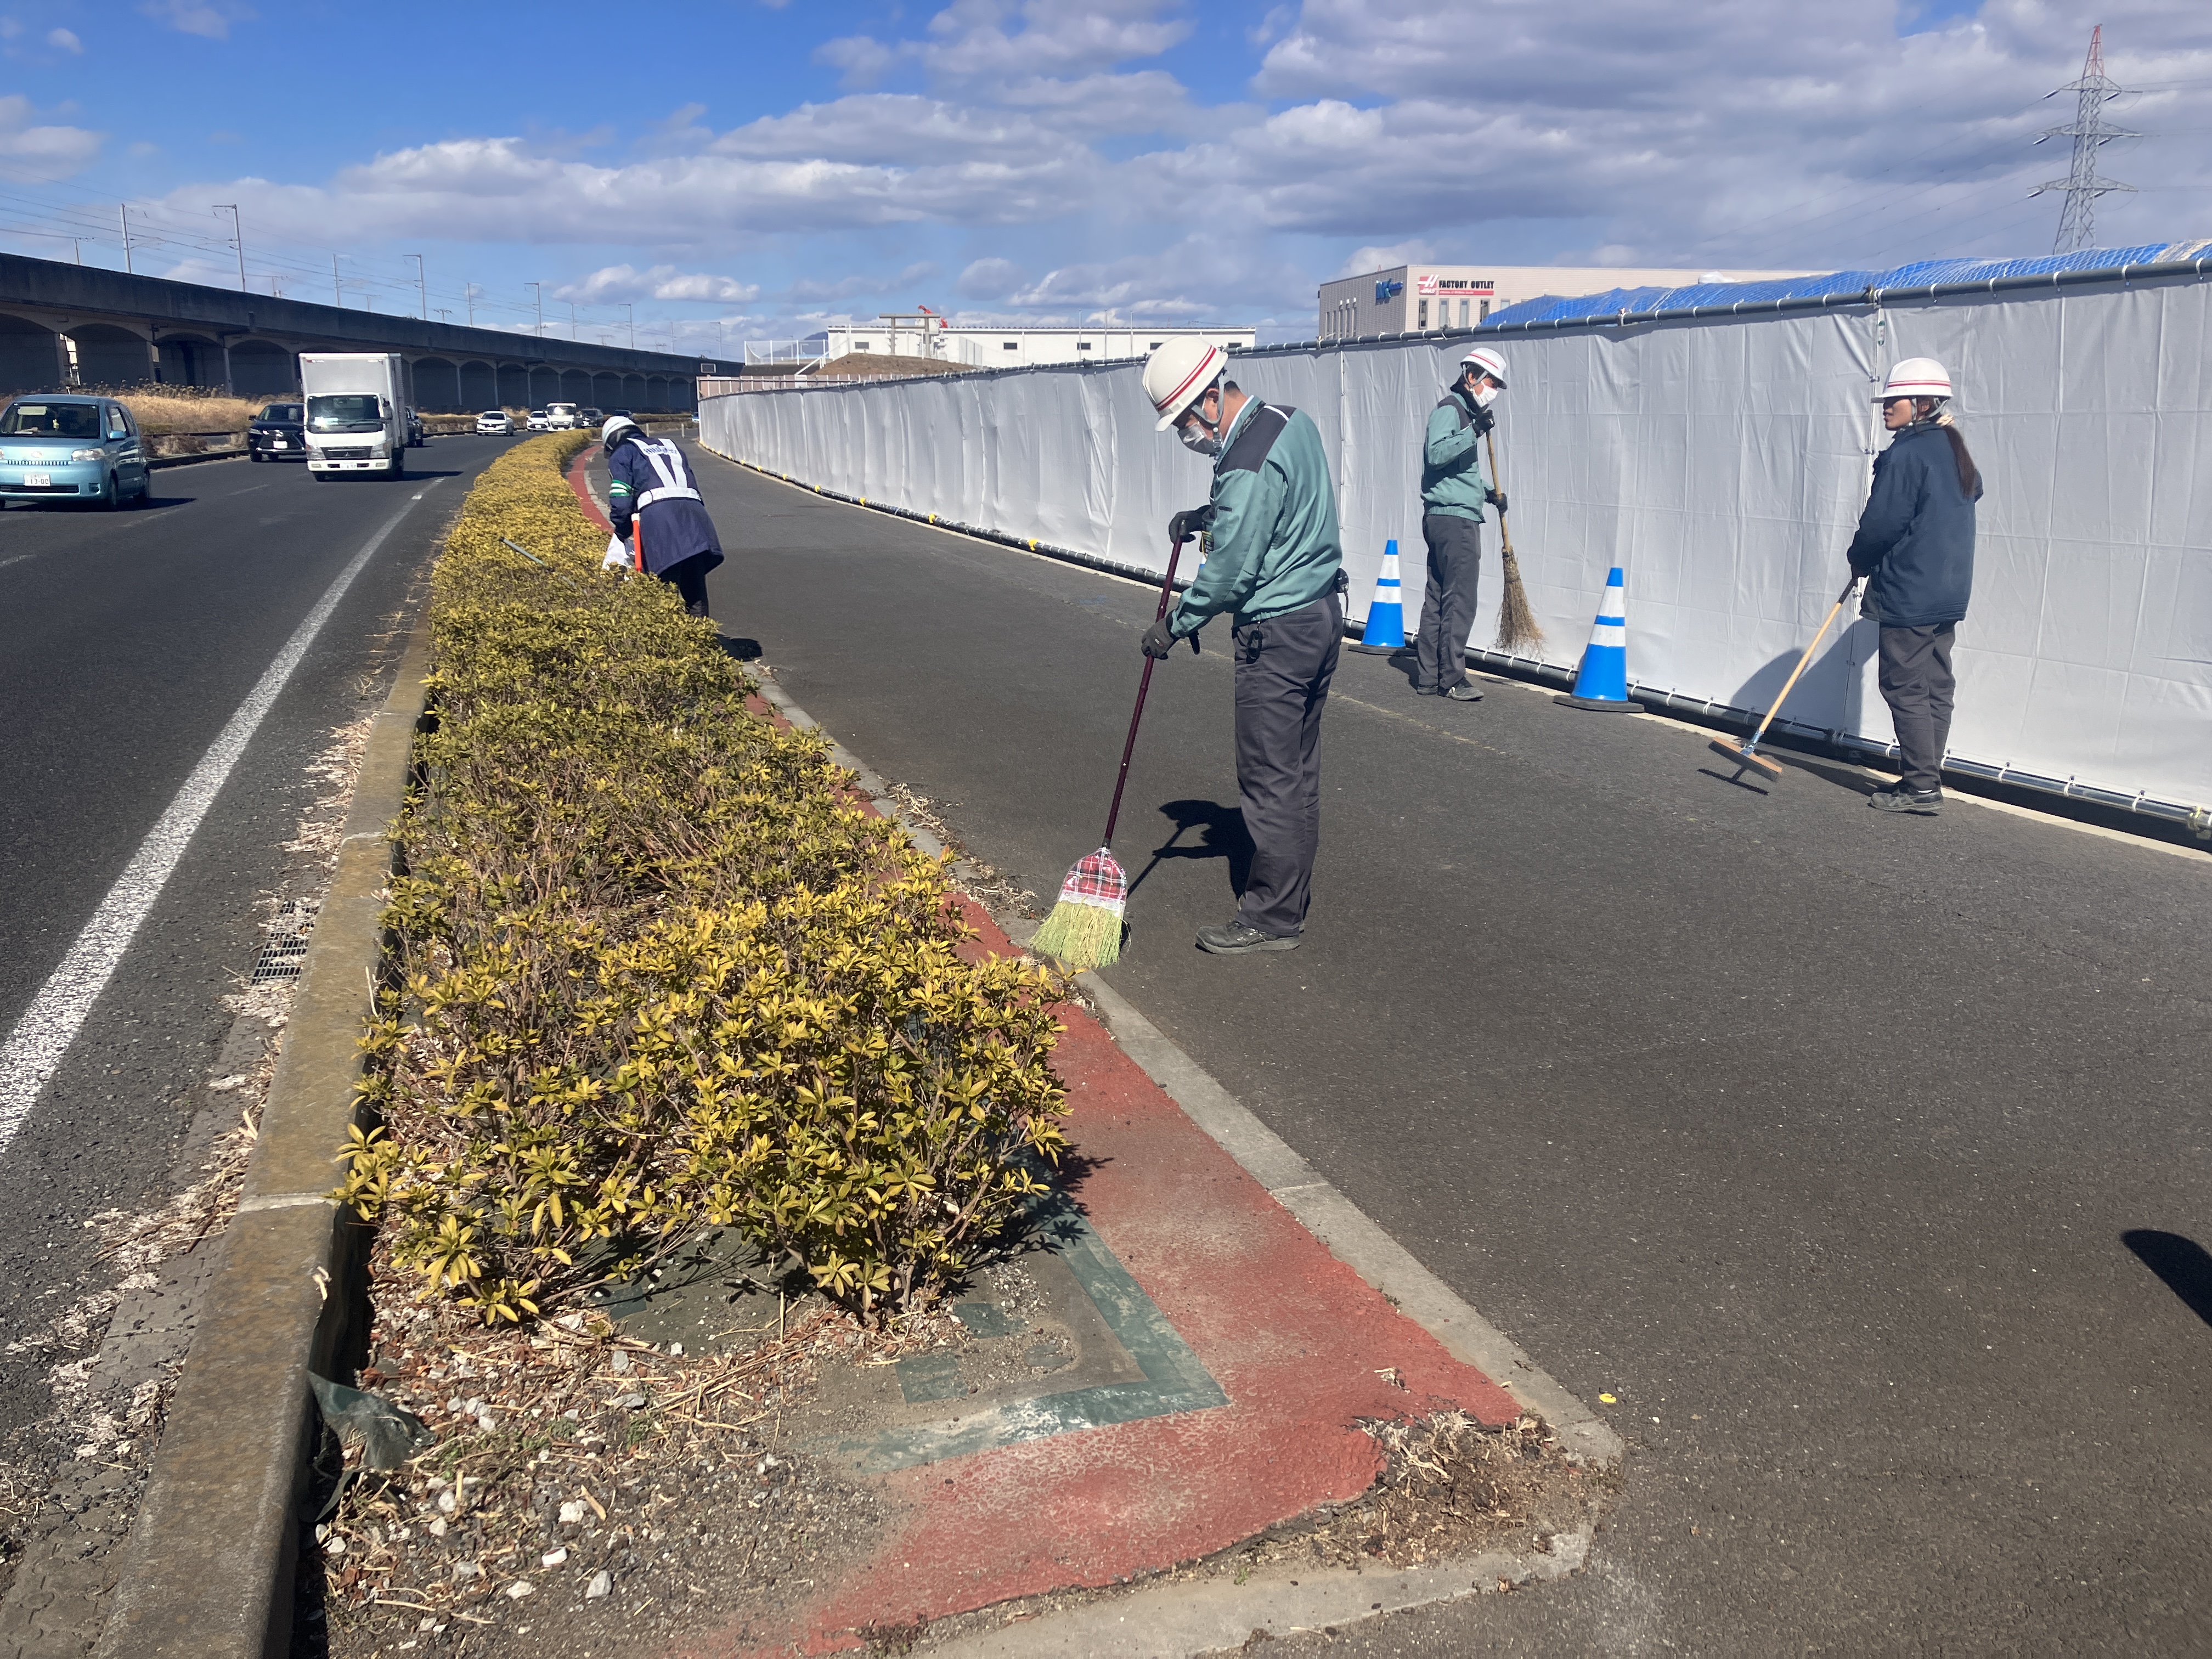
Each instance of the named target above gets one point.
<point>667,463</point>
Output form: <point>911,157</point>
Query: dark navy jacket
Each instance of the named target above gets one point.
<point>663,500</point>
<point>1917,536</point>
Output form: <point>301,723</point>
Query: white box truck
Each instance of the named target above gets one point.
<point>561,418</point>
<point>358,418</point>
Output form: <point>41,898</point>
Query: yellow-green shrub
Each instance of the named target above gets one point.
<point>662,975</point>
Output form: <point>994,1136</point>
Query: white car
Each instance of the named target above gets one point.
<point>540,421</point>
<point>496,420</point>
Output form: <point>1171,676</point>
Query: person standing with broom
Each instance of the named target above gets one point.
<point>1275,564</point>
<point>1453,495</point>
<point>1915,547</point>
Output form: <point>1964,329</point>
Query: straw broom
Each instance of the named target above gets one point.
<point>1085,928</point>
<point>1517,632</point>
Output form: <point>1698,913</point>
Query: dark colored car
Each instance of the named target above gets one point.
<point>592,417</point>
<point>278,433</point>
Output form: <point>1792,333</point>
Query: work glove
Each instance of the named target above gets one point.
<point>1159,641</point>
<point>618,556</point>
<point>1190,522</point>
<point>1482,421</point>
<point>1495,498</point>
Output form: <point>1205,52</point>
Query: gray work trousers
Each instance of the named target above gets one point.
<point>1917,683</point>
<point>1448,610</point>
<point>1284,666</point>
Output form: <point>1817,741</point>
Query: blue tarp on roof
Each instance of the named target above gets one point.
<point>1554,309</point>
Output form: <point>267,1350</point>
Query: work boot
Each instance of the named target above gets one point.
<point>1237,937</point>
<point>1463,692</point>
<point>1898,799</point>
<point>696,608</point>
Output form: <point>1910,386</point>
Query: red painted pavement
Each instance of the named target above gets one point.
<point>1295,1338</point>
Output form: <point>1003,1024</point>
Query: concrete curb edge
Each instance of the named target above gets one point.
<point>208,1570</point>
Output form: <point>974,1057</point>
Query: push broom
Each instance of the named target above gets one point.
<point>1746,756</point>
<point>1517,632</point>
<point>1085,928</point>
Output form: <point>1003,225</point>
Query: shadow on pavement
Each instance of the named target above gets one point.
<point>2180,1263</point>
<point>1221,834</point>
<point>743,649</point>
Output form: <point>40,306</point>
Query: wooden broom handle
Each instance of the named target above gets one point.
<point>1788,685</point>
<point>1504,536</point>
<point>1144,685</point>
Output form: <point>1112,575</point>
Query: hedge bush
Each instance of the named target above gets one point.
<point>661,974</point>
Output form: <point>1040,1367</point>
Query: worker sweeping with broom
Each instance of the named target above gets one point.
<point>1275,564</point>
<point>1453,495</point>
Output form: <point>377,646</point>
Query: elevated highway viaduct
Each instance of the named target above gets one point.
<point>66,324</point>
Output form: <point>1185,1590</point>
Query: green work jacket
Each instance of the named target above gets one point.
<point>1451,461</point>
<point>1273,547</point>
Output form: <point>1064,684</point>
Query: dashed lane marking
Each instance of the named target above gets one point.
<point>41,1039</point>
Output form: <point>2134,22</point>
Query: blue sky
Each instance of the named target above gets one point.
<point>730,169</point>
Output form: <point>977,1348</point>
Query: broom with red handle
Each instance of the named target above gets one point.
<point>1085,928</point>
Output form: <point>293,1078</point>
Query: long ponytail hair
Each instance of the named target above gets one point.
<point>1970,476</point>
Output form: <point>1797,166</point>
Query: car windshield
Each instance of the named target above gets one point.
<point>493,414</point>
<point>349,412</point>
<point>287,412</point>
<point>50,421</point>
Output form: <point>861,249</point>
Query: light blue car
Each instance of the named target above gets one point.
<point>70,447</point>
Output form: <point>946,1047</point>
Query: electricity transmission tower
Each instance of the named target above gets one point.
<point>2077,222</point>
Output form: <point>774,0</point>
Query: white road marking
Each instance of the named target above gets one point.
<point>18,559</point>
<point>41,1039</point>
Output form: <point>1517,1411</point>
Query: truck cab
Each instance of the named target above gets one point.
<point>560,417</point>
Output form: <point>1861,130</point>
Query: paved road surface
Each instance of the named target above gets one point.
<point>1812,1134</point>
<point>126,641</point>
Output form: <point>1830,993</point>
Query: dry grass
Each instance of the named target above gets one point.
<point>166,409</point>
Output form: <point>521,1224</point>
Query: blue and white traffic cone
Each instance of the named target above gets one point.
<point>1386,618</point>
<point>1602,684</point>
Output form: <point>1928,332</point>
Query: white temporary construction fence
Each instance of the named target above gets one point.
<point>1722,460</point>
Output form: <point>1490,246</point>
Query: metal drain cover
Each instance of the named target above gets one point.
<point>290,931</point>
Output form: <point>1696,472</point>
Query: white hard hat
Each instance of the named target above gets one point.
<point>1917,377</point>
<point>616,423</point>
<point>1177,374</point>
<point>1488,361</point>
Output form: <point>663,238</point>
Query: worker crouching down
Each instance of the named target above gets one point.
<point>1275,563</point>
<point>653,503</point>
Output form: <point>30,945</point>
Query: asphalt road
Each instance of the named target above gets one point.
<point>127,640</point>
<point>1815,1136</point>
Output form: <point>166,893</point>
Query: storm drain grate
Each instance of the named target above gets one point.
<point>286,953</point>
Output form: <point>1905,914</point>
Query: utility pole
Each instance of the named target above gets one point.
<point>238,235</point>
<point>2077,220</point>
<point>421,283</point>
<point>572,319</point>
<point>444,315</point>
<point>337,289</point>
<point>629,315</point>
<point>469,293</point>
<point>537,293</point>
<point>124,209</point>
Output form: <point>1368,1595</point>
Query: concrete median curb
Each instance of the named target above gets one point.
<point>208,1571</point>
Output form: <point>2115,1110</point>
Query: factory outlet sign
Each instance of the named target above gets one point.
<point>1431,286</point>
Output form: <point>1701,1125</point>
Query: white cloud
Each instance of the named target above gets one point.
<point>613,284</point>
<point>210,19</point>
<point>990,279</point>
<point>64,40</point>
<point>53,151</point>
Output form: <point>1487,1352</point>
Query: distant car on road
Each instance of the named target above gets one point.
<point>540,421</point>
<point>62,448</point>
<point>592,417</point>
<point>496,420</point>
<point>278,433</point>
<point>560,417</point>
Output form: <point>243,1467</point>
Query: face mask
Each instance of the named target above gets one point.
<point>1196,438</point>
<point>1487,396</point>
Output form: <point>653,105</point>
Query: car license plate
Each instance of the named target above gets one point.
<point>38,481</point>
<point>278,443</point>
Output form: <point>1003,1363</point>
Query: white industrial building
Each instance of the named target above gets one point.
<point>925,334</point>
<point>1413,299</point>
